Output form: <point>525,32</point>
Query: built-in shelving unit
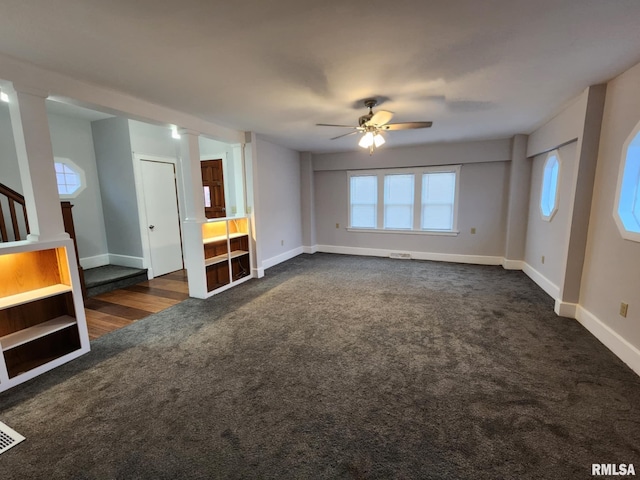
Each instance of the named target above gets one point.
<point>227,255</point>
<point>42,322</point>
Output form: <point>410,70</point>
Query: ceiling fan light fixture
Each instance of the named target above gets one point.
<point>372,124</point>
<point>367,140</point>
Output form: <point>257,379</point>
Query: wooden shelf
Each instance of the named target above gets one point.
<point>220,238</point>
<point>217,259</point>
<point>37,331</point>
<point>224,257</point>
<point>35,294</point>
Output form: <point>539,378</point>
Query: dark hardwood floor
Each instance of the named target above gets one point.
<point>113,310</point>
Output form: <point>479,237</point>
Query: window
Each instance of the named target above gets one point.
<point>627,213</point>
<point>549,194</point>
<point>70,178</point>
<point>364,201</point>
<point>398,201</point>
<point>438,200</point>
<point>410,200</point>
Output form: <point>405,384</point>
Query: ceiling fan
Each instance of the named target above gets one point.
<point>372,124</point>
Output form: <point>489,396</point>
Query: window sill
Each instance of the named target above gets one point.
<point>439,233</point>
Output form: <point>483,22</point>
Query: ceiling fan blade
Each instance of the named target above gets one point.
<point>406,125</point>
<point>381,117</point>
<point>345,135</point>
<point>332,125</point>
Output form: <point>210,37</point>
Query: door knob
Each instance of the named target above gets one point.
<point>151,227</point>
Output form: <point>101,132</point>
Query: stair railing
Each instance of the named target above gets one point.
<point>13,202</point>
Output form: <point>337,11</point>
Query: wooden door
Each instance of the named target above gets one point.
<point>213,183</point>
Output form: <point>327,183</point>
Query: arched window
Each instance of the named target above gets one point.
<point>549,194</point>
<point>627,206</point>
<point>70,178</point>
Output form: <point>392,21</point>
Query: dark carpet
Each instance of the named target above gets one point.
<point>112,277</point>
<point>337,367</point>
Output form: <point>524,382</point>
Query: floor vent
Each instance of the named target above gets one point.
<point>8,438</point>
<point>400,255</point>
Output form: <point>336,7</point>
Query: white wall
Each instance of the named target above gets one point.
<point>117,186</point>
<point>152,140</point>
<point>278,203</point>
<point>9,169</point>
<point>416,155</point>
<point>484,182</point>
<point>576,132</point>
<point>564,127</point>
<point>72,138</point>
<point>548,237</point>
<point>611,271</point>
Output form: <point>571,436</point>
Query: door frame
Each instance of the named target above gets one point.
<point>142,213</point>
<point>225,165</point>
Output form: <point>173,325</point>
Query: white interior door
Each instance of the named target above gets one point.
<point>163,220</point>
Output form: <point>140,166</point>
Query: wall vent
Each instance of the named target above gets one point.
<point>400,255</point>
<point>8,438</point>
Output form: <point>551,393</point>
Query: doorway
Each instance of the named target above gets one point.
<point>213,184</point>
<point>159,216</point>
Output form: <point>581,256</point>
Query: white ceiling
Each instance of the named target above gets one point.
<point>477,69</point>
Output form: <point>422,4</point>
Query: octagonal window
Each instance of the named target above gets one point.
<point>549,193</point>
<point>627,212</point>
<point>70,178</point>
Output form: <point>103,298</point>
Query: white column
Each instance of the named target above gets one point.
<point>193,201</point>
<point>580,203</point>
<point>35,159</point>
<point>253,200</point>
<point>517,209</point>
<point>191,176</point>
<point>308,203</point>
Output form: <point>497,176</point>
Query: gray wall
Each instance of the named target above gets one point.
<point>152,140</point>
<point>483,198</point>
<point>117,185</point>
<point>72,138</point>
<point>549,237</point>
<point>278,178</point>
<point>9,169</point>
<point>611,271</point>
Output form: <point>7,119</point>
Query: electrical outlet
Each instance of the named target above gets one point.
<point>337,225</point>
<point>624,307</point>
<point>542,260</point>
<point>234,210</point>
<point>473,230</point>
<point>249,209</point>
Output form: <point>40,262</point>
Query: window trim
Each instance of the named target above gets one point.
<point>417,205</point>
<point>626,234</point>
<point>79,171</point>
<point>554,210</point>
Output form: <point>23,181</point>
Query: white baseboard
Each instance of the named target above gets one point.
<point>126,261</point>
<point>283,257</point>
<point>564,309</point>
<point>543,282</point>
<point>610,338</point>
<point>512,264</point>
<point>312,249</point>
<point>257,272</point>
<point>440,257</point>
<point>95,261</point>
